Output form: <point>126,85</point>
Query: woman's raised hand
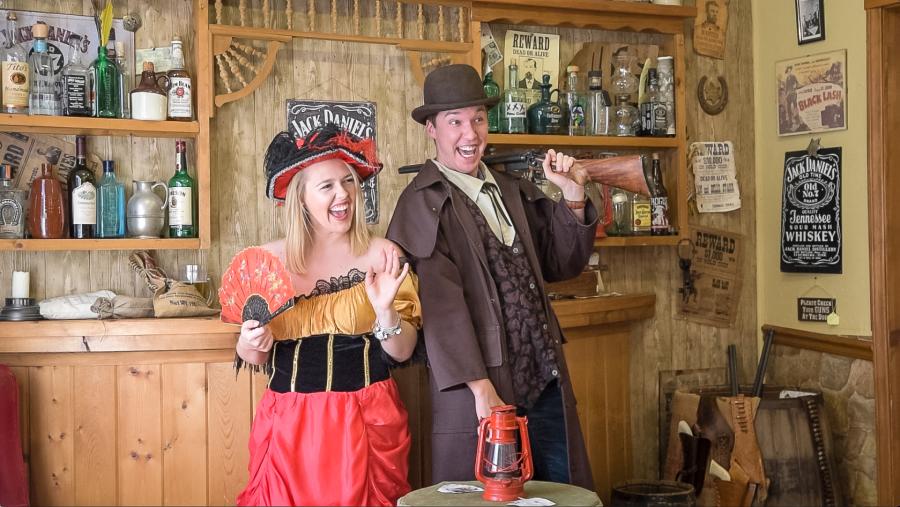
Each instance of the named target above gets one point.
<point>383,280</point>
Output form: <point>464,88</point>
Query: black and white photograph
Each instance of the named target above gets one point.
<point>810,20</point>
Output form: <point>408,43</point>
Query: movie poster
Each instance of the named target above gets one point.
<point>26,152</point>
<point>534,54</point>
<point>812,93</point>
<point>358,118</point>
<point>811,212</point>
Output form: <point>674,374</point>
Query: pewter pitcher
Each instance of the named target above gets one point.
<point>146,211</point>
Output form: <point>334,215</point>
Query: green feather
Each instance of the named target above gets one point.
<point>106,19</point>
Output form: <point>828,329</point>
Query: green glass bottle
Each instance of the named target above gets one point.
<point>106,86</point>
<point>182,198</point>
<point>492,89</point>
<point>546,117</point>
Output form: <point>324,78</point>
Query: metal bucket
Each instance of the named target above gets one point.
<point>653,494</point>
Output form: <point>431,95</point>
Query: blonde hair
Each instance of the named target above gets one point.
<point>299,228</point>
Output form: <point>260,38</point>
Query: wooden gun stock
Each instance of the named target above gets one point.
<point>625,172</point>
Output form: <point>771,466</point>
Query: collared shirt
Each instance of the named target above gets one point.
<point>484,191</point>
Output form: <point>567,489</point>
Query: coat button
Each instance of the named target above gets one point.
<point>531,286</point>
<point>545,327</point>
<point>434,209</point>
<point>515,250</point>
<point>555,373</point>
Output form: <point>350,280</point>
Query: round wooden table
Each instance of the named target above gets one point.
<point>561,494</point>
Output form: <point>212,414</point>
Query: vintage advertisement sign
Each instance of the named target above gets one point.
<point>815,309</point>
<point>710,27</point>
<point>26,153</point>
<point>811,212</point>
<point>67,32</point>
<point>715,178</point>
<point>533,53</point>
<point>358,118</point>
<point>715,270</point>
<point>812,93</point>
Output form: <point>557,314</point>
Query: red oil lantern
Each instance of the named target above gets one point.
<point>499,464</point>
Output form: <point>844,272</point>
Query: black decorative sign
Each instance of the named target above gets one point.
<point>811,212</point>
<point>815,309</point>
<point>358,118</point>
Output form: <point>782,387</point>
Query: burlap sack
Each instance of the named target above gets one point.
<point>180,299</point>
<point>123,307</point>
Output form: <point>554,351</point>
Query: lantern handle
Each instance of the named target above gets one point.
<point>479,452</point>
<point>525,455</point>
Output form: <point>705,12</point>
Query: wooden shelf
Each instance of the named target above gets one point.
<point>47,245</point>
<point>71,125</point>
<point>611,142</point>
<point>637,241</point>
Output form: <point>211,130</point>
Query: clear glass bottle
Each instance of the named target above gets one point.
<point>624,85</point>
<point>12,205</point>
<point>621,213</point>
<point>575,103</point>
<point>14,70</point>
<point>641,214</point>
<point>126,79</point>
<point>82,188</point>
<point>182,197</point>
<point>597,118</point>
<point>667,91</point>
<point>180,87</point>
<point>512,109</point>
<point>110,203</point>
<point>653,110</point>
<point>77,86</point>
<point>491,89</point>
<point>44,98</point>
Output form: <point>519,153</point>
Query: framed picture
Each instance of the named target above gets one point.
<point>812,93</point>
<point>810,20</point>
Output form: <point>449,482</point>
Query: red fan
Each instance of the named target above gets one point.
<point>256,286</point>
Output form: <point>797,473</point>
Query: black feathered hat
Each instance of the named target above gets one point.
<point>287,155</point>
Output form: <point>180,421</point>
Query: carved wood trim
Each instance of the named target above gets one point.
<point>857,347</point>
<point>268,64</point>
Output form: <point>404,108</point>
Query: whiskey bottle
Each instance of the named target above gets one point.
<point>182,197</point>
<point>546,117</point>
<point>491,89</point>
<point>44,98</point>
<point>77,86</point>
<point>653,110</point>
<point>82,195</point>
<point>148,99</point>
<point>598,105</point>
<point>512,109</point>
<point>575,102</point>
<point>641,215</point>
<point>12,206</point>
<point>110,204</point>
<point>14,71</point>
<point>180,90</point>
<point>659,200</point>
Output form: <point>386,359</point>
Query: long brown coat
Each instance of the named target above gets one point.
<point>463,325</point>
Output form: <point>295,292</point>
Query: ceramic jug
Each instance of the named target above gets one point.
<point>146,211</point>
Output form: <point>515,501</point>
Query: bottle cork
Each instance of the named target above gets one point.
<point>40,30</point>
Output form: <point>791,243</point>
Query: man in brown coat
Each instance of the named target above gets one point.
<point>483,243</point>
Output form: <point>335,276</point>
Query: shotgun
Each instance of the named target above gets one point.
<point>625,172</point>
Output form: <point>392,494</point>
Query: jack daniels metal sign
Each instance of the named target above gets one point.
<point>358,118</point>
<point>811,212</point>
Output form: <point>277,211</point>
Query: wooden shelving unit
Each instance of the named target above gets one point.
<point>637,241</point>
<point>70,126</point>
<point>56,245</point>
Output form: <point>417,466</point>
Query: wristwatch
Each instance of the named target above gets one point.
<point>383,334</point>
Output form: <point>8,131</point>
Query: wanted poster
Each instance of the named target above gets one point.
<point>715,178</point>
<point>715,271</point>
<point>710,27</point>
<point>534,54</point>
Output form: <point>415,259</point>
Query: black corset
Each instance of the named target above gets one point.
<point>327,362</point>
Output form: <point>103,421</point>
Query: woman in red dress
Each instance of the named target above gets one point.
<point>330,429</point>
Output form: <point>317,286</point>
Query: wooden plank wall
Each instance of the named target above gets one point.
<point>241,216</point>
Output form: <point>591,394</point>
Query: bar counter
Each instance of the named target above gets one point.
<point>150,411</point>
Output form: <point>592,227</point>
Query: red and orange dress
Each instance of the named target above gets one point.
<point>331,429</point>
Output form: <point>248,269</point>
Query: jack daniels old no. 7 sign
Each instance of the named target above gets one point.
<point>811,212</point>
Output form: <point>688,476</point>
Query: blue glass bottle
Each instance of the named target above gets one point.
<point>110,204</point>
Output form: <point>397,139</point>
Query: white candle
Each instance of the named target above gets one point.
<point>20,284</point>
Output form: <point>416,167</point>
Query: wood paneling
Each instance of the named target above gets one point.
<point>95,426</point>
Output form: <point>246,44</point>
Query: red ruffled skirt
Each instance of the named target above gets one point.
<point>329,448</point>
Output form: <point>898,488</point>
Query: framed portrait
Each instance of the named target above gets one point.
<point>812,93</point>
<point>810,20</point>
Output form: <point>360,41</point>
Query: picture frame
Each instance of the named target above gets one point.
<point>812,93</point>
<point>810,20</point>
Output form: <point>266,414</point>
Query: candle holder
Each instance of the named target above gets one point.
<point>19,309</point>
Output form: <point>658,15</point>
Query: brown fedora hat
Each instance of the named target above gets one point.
<point>452,87</point>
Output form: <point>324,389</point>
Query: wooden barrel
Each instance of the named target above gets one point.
<point>653,494</point>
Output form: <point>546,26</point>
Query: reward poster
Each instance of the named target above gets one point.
<point>715,271</point>
<point>358,118</point>
<point>534,54</point>
<point>812,93</point>
<point>811,212</point>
